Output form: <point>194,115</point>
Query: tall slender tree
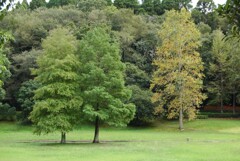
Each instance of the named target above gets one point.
<point>219,68</point>
<point>233,75</point>
<point>104,91</point>
<point>177,81</point>
<point>57,101</point>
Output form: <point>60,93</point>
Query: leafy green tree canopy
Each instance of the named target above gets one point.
<point>57,101</point>
<point>104,92</point>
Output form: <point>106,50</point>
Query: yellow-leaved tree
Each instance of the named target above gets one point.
<point>177,79</point>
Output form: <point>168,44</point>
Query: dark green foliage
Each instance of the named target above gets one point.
<point>134,75</point>
<point>7,113</point>
<point>144,107</point>
<point>25,99</point>
<point>152,7</point>
<point>132,4</point>
<point>231,10</point>
<point>148,6</point>
<point>20,69</point>
<point>138,41</point>
<point>61,3</point>
<point>176,4</point>
<point>34,4</point>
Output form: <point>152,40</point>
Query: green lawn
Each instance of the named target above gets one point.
<point>202,140</point>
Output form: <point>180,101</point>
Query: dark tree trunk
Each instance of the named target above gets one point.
<point>96,134</point>
<point>63,138</point>
<point>221,105</point>
<point>221,97</point>
<point>181,119</point>
<point>234,102</point>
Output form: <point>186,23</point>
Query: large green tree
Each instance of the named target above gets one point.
<point>57,101</point>
<point>104,92</point>
<point>177,81</point>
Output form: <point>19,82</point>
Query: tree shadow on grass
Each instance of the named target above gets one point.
<point>73,142</point>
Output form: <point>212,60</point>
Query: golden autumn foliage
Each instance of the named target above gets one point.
<point>177,80</point>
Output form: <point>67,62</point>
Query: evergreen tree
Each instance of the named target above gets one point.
<point>177,81</point>
<point>57,101</point>
<point>104,92</point>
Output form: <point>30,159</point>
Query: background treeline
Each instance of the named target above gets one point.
<point>136,27</point>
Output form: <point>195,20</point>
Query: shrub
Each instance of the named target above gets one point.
<point>220,115</point>
<point>7,113</point>
<point>202,116</point>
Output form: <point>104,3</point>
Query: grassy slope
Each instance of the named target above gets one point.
<point>202,140</point>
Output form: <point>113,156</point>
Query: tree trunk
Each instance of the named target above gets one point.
<point>63,138</point>
<point>221,97</point>
<point>234,102</point>
<point>181,119</point>
<point>221,105</point>
<point>96,134</point>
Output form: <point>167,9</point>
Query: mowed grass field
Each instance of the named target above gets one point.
<point>202,140</point>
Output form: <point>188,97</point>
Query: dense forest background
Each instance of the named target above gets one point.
<point>136,27</point>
